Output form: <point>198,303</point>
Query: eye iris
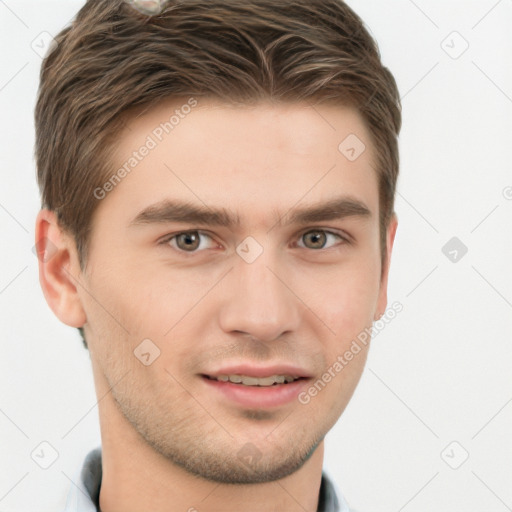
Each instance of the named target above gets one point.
<point>190,240</point>
<point>318,238</point>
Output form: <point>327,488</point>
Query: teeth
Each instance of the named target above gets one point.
<point>253,381</point>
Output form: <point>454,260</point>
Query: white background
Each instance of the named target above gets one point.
<point>439,372</point>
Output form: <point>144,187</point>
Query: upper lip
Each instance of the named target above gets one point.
<point>260,371</point>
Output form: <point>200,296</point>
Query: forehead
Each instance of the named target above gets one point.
<point>259,159</point>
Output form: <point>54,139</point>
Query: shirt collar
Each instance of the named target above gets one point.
<point>84,497</point>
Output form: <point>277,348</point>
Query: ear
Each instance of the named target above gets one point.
<point>383,291</point>
<point>59,269</point>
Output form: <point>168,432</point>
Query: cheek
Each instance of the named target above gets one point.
<point>170,312</point>
<point>134,297</point>
<point>345,298</point>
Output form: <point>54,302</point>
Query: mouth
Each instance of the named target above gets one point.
<point>247,380</point>
<point>257,388</point>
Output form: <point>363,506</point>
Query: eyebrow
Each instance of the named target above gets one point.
<point>178,211</point>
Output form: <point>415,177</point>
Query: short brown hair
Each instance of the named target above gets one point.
<point>113,58</point>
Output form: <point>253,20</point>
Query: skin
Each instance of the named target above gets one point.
<point>171,443</point>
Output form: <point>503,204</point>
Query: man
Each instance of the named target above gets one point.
<point>217,219</point>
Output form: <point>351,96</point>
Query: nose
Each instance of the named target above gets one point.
<point>259,300</point>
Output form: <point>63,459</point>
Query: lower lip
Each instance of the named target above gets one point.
<point>258,396</point>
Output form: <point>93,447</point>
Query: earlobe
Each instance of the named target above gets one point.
<point>59,271</point>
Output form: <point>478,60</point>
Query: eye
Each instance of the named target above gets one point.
<point>187,241</point>
<point>317,238</point>
<point>190,241</point>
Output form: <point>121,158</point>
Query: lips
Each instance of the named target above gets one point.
<point>258,387</point>
<point>255,396</point>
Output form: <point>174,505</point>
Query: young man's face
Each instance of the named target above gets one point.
<point>267,295</point>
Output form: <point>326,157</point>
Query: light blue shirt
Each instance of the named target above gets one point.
<point>84,496</point>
